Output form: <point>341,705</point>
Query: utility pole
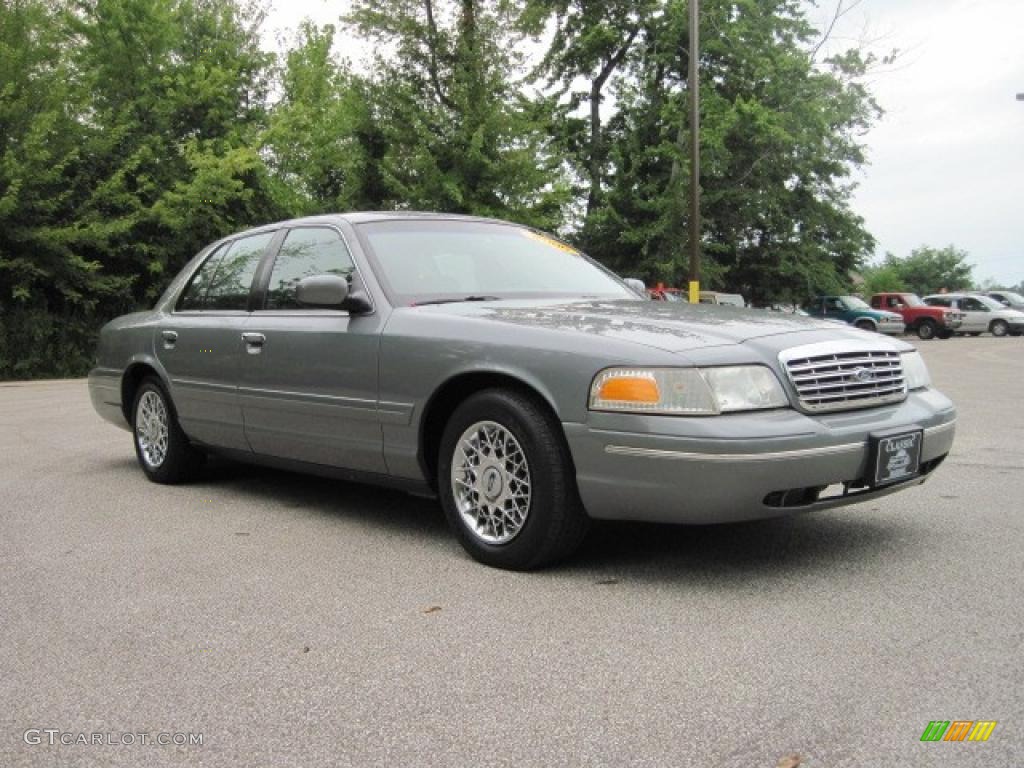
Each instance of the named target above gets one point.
<point>694,85</point>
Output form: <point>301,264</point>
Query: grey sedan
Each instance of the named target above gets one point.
<point>519,381</point>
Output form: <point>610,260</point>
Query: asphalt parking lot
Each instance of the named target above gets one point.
<point>295,621</point>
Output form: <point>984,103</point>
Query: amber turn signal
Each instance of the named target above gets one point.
<point>631,389</point>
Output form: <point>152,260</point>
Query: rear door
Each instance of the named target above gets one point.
<point>200,343</point>
<point>309,377</point>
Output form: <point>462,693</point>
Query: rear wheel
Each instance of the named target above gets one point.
<point>507,484</point>
<point>926,330</point>
<point>999,327</point>
<point>163,450</point>
<point>945,334</point>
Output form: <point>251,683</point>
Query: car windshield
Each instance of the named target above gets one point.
<point>452,260</point>
<point>912,300</point>
<point>855,303</point>
<point>1014,298</point>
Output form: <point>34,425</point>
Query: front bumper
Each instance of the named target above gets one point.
<point>892,327</point>
<point>742,466</point>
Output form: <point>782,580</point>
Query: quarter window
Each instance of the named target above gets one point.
<point>306,252</point>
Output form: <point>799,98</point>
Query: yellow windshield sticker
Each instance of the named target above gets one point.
<point>550,241</point>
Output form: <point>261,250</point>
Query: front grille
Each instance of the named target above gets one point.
<point>846,378</point>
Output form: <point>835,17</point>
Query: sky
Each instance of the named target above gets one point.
<point>946,160</point>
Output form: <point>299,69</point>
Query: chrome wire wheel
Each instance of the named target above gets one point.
<point>490,481</point>
<point>151,429</point>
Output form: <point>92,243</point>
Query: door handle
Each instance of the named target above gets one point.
<point>253,342</point>
<point>170,339</point>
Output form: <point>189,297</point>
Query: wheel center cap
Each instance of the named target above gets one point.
<point>491,483</point>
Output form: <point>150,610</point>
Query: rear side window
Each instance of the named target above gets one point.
<point>195,293</point>
<point>938,302</point>
<point>229,288</point>
<point>306,251</point>
<point>224,280</point>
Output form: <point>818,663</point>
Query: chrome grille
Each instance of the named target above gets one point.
<point>845,378</point>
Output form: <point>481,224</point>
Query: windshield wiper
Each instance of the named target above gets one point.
<point>456,301</point>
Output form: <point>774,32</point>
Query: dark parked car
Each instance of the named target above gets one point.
<point>855,311</point>
<point>506,372</point>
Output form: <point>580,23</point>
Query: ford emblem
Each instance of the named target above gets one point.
<point>864,374</point>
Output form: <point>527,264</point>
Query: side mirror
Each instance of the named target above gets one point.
<point>322,291</point>
<point>330,292</point>
<point>636,285</point>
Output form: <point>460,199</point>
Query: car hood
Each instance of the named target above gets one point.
<point>666,325</point>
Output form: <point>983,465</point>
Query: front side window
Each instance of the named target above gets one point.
<point>450,260</point>
<point>306,252</point>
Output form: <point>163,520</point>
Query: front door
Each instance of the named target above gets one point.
<point>976,315</point>
<point>200,343</point>
<point>309,382</point>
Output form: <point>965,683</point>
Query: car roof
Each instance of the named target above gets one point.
<point>362,217</point>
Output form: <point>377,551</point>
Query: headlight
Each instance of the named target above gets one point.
<point>915,372</point>
<point>686,391</point>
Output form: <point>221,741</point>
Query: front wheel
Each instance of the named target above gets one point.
<point>926,330</point>
<point>999,328</point>
<point>865,325</point>
<point>507,483</point>
<point>163,450</point>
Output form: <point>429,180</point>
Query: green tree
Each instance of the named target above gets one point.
<point>780,136</point>
<point>48,290</point>
<point>459,133</point>
<point>881,278</point>
<point>930,270</point>
<point>591,43</point>
<point>325,143</point>
<point>176,97</point>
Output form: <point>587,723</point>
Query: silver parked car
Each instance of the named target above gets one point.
<point>981,313</point>
<point>521,382</point>
<point>1010,299</point>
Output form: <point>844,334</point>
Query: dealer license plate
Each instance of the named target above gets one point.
<point>897,456</point>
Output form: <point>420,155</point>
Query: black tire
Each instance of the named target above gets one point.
<point>865,325</point>
<point>974,333</point>
<point>181,460</point>
<point>926,330</point>
<point>945,335</point>
<point>554,523</point>
<point>999,327</point>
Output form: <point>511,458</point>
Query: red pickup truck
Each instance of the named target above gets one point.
<point>927,322</point>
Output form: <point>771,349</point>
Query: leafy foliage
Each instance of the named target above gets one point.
<point>930,270</point>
